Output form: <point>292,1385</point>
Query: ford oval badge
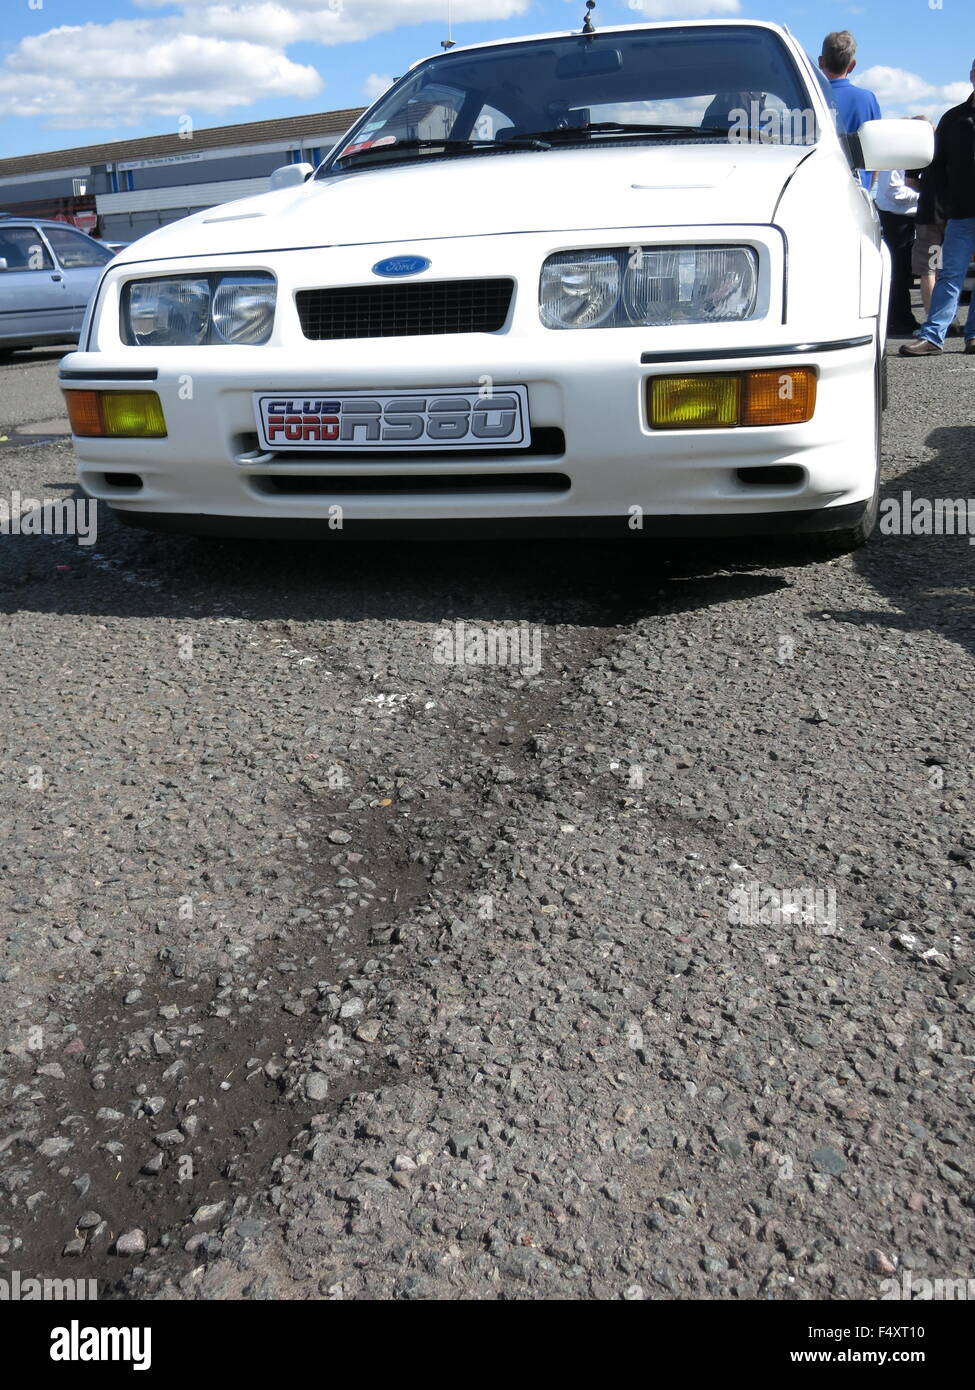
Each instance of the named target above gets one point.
<point>401,265</point>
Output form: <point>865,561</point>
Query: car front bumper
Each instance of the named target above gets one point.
<point>612,466</point>
<point>595,460</point>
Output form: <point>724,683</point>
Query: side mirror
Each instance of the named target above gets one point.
<point>894,145</point>
<point>290,175</point>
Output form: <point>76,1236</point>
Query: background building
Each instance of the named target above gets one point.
<point>122,190</point>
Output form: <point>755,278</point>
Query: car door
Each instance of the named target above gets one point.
<point>81,261</point>
<point>33,299</point>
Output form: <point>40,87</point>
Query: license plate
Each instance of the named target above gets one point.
<point>438,418</point>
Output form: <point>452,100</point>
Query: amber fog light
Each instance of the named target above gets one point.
<point>84,413</point>
<point>116,414</point>
<point>722,400</point>
<point>779,396</point>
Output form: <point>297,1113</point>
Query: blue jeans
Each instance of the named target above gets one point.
<point>956,254</point>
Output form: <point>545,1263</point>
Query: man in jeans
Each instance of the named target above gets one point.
<point>953,167</point>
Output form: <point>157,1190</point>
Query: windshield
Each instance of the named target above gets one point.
<point>706,83</point>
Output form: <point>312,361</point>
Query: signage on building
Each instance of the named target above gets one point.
<point>123,164</point>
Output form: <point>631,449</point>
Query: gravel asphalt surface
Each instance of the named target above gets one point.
<point>333,969</point>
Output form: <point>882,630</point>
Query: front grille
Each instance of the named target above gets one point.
<point>411,484</point>
<point>405,311</point>
<point>548,441</point>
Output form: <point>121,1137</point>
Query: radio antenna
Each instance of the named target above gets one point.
<point>587,26</point>
<point>448,42</point>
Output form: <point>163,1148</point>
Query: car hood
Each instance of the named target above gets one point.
<point>553,190</point>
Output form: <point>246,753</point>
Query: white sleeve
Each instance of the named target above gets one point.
<point>900,196</point>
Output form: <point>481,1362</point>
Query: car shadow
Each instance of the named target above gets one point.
<point>589,583</point>
<point>603,583</point>
<point>929,580</point>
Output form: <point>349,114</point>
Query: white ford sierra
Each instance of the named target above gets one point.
<point>622,282</point>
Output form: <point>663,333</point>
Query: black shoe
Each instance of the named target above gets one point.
<point>955,330</point>
<point>970,347</point>
<point>907,329</point>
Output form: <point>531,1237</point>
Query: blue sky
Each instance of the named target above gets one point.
<point>75,72</point>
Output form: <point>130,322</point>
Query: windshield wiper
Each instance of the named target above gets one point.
<point>532,139</point>
<point>582,132</point>
<point>445,146</point>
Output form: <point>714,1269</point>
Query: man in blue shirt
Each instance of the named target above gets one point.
<point>854,105</point>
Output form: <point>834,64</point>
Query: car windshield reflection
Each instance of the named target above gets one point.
<point>695,83</point>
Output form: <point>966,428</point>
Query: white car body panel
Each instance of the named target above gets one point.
<point>822,290</point>
<point>493,195</point>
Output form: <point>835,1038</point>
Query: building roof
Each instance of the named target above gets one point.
<point>153,146</point>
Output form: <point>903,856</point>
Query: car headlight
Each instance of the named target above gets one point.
<point>166,313</point>
<point>189,310</point>
<point>646,286</point>
<point>243,308</point>
<point>579,289</point>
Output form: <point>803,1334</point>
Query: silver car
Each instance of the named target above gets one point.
<point>48,271</point>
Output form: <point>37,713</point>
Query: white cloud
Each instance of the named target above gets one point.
<point>374,86</point>
<point>77,76</point>
<point>903,93</point>
<point>684,9</point>
<point>329,21</point>
<point>206,58</point>
<point>210,56</point>
<point>894,85</point>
